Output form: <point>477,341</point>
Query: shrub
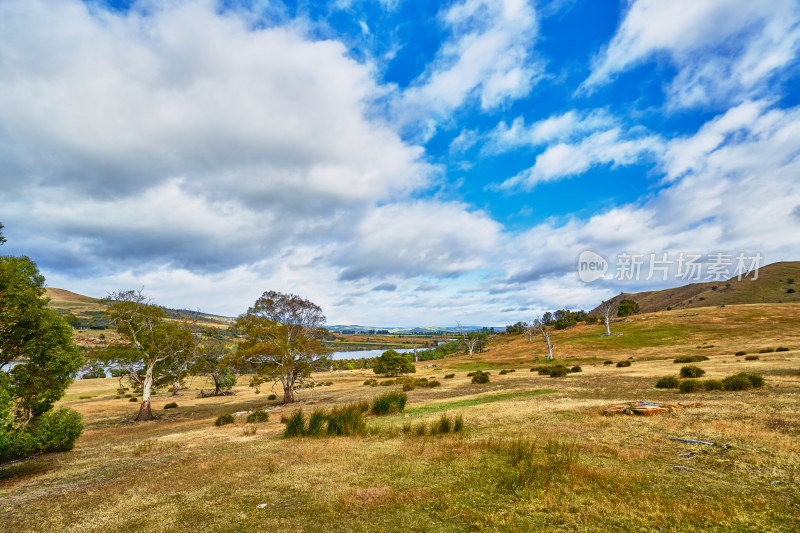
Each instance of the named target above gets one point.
<point>766,350</point>
<point>751,358</point>
<point>408,386</point>
<point>712,384</point>
<point>225,419</point>
<point>507,371</point>
<point>371,382</point>
<point>480,377</point>
<point>389,403</point>
<point>558,372</point>
<point>295,424</point>
<point>58,430</point>
<point>622,364</point>
<point>576,368</point>
<point>434,383</point>
<point>692,371</point>
<point>737,382</point>
<point>272,397</point>
<point>609,362</point>
<point>258,416</point>
<point>133,399</point>
<point>667,382</point>
<point>387,382</point>
<point>740,352</point>
<point>690,359</point>
<point>790,291</point>
<point>449,376</point>
<point>171,405</point>
<point>347,420</point>
<point>782,349</point>
<point>691,385</point>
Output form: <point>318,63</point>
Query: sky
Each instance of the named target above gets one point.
<point>398,163</point>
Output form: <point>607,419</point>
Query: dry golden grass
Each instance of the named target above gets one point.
<point>180,473</point>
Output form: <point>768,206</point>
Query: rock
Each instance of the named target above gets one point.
<point>648,410</point>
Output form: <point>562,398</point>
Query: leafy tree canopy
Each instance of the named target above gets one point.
<point>391,363</point>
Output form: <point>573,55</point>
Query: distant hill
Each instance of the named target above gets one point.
<point>776,283</point>
<point>424,330</point>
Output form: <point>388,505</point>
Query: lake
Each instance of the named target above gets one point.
<point>361,354</point>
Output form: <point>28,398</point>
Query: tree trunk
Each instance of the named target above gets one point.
<point>175,388</point>
<point>288,394</point>
<point>549,348</point>
<point>145,413</point>
<point>608,327</point>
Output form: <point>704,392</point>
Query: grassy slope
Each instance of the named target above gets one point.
<point>194,476</point>
<point>770,287</point>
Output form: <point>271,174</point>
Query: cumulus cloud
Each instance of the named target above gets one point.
<point>724,50</point>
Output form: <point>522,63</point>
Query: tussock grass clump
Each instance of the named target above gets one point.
<point>257,416</point>
<point>449,376</point>
<point>408,386</point>
<point>272,397</point>
<point>480,377</point>
<point>171,405</point>
<point>507,371</point>
<point>316,423</point>
<point>712,384</point>
<point>668,382</point>
<point>524,464</point>
<point>295,424</point>
<point>446,424</point>
<point>691,385</point>
<point>387,382</point>
<point>225,419</point>
<point>623,364</point>
<point>149,447</point>
<point>751,358</point>
<point>782,349</point>
<point>576,368</point>
<point>249,431</point>
<point>559,372</point>
<point>347,420</point>
<point>690,359</point>
<point>743,381</point>
<point>389,403</point>
<point>740,352</point>
<point>371,382</point>
<point>339,421</point>
<point>766,350</point>
<point>692,371</point>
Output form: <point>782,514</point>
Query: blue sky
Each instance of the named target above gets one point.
<point>399,163</point>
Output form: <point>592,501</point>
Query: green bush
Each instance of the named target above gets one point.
<point>449,376</point>
<point>507,371</point>
<point>692,371</point>
<point>58,430</point>
<point>389,403</point>
<point>712,384</point>
<point>558,372</point>
<point>408,386</point>
<point>608,362</point>
<point>576,368</point>
<point>371,382</point>
<point>741,352</point>
<point>623,364</point>
<point>133,399</point>
<point>766,350</point>
<point>690,359</point>
<point>171,405</point>
<point>691,385</point>
<point>272,397</point>
<point>751,358</point>
<point>480,377</point>
<point>737,382</point>
<point>667,382</point>
<point>257,416</point>
<point>782,349</point>
<point>225,419</point>
<point>434,383</point>
<point>295,424</point>
<point>316,423</point>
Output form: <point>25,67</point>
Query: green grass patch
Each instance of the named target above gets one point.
<point>436,407</point>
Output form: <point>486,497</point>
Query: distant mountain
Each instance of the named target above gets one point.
<point>776,283</point>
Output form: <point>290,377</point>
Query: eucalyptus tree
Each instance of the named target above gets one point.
<point>283,340</point>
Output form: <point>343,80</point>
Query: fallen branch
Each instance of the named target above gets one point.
<point>693,441</point>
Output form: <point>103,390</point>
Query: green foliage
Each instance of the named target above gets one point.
<point>371,382</point>
<point>741,352</point>
<point>408,386</point>
<point>691,385</point>
<point>316,423</point>
<point>93,371</point>
<point>692,371</point>
<point>507,371</point>
<point>347,420</point>
<point>391,363</point>
<point>295,424</point>
<point>690,359</point>
<point>667,382</point>
<point>766,350</point>
<point>558,372</point>
<point>782,349</point>
<point>627,307</point>
<point>214,360</point>
<point>272,397</point>
<point>449,376</point>
<point>480,377</point>
<point>712,384</point>
<point>133,399</point>
<point>389,403</point>
<point>608,362</point>
<point>576,368</point>
<point>225,419</point>
<point>622,364</point>
<point>171,405</point>
<point>48,362</point>
<point>257,416</point>
<point>743,381</point>
<point>751,358</point>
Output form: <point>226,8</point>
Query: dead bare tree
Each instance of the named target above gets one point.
<point>530,329</point>
<point>542,328</point>
<point>470,340</point>
<point>606,308</point>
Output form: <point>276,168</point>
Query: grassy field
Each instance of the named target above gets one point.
<point>536,452</point>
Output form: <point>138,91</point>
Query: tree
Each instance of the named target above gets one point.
<point>627,307</point>
<point>283,340</point>
<point>214,360</point>
<point>542,327</point>
<point>606,308</point>
<point>469,340</point>
<point>2,239</point>
<point>45,362</point>
<point>516,329</point>
<point>156,350</point>
<point>392,363</point>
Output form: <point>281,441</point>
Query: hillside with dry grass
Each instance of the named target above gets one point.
<point>536,453</point>
<point>776,283</point>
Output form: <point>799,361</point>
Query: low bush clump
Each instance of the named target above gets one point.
<point>506,371</point>
<point>387,382</point>
<point>743,381</point>
<point>249,431</point>
<point>272,397</point>
<point>740,352</point>
<point>623,364</point>
<point>258,416</point>
<point>751,358</point>
<point>559,372</point>
<point>609,362</point>
<point>133,399</point>
<point>712,384</point>
<point>408,386</point>
<point>782,349</point>
<point>449,376</point>
<point>691,371</point>
<point>480,377</point>
<point>766,350</point>
<point>576,368</point>
<point>171,405</point>
<point>691,385</point>
<point>690,359</point>
<point>667,382</point>
<point>225,419</point>
<point>371,382</point>
<point>389,403</point>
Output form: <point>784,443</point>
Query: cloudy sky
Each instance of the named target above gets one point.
<point>396,162</point>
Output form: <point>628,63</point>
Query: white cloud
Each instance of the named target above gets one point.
<point>724,50</point>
